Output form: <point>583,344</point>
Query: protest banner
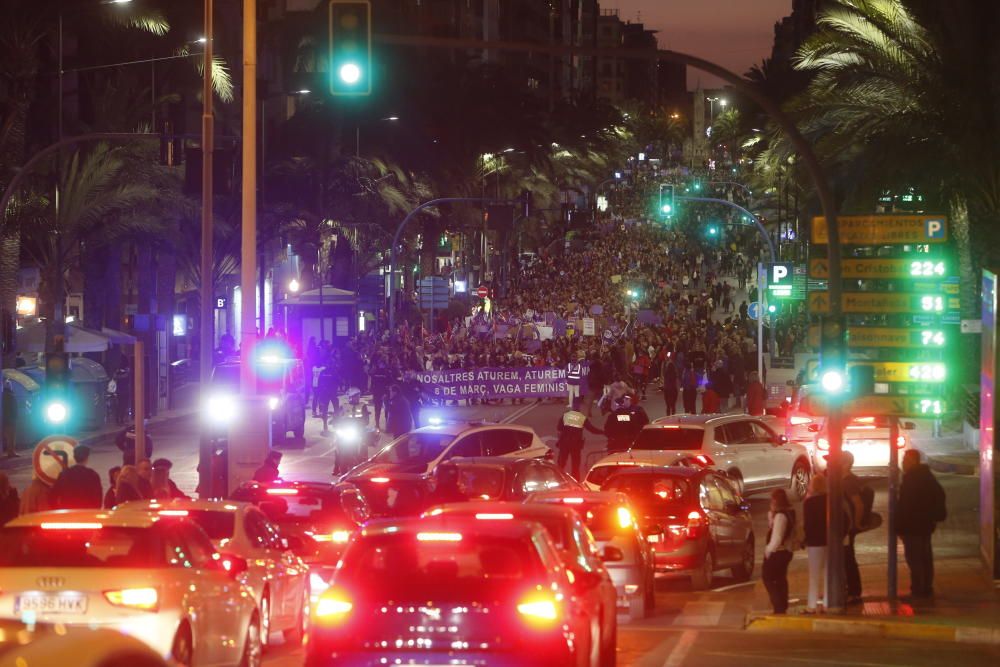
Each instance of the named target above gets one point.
<point>530,382</point>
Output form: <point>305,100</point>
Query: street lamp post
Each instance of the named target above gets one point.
<point>207,288</point>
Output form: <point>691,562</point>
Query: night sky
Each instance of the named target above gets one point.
<point>733,33</point>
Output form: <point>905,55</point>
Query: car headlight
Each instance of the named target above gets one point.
<point>348,433</point>
<point>221,409</point>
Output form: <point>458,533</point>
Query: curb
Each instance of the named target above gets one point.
<point>947,465</point>
<point>877,628</point>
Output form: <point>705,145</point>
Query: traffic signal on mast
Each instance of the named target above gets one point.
<point>350,47</point>
<point>666,203</point>
<point>55,403</point>
<point>833,356</point>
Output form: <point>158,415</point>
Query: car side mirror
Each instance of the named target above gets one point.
<point>813,428</point>
<point>654,529</point>
<point>780,440</point>
<point>908,426</point>
<point>612,554</point>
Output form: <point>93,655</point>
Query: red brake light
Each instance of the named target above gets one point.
<point>439,537</point>
<point>864,420</point>
<point>799,421</point>
<point>494,516</point>
<point>72,525</point>
<point>282,492</point>
<point>379,480</point>
<point>573,501</point>
<point>671,426</point>
<point>173,512</point>
<point>695,525</point>
<point>539,610</point>
<point>146,599</point>
<point>705,460</point>
<point>333,605</point>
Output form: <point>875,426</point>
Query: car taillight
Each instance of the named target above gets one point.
<point>695,525</point>
<point>332,607</point>
<point>145,599</point>
<point>539,610</point>
<point>282,492</point>
<point>822,443</point>
<point>494,516</point>
<point>337,536</point>
<point>173,512</point>
<point>625,519</point>
<point>71,525</point>
<point>705,460</point>
<point>799,421</point>
<point>901,441</point>
<point>439,537</point>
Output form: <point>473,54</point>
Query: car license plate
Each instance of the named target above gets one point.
<point>54,603</point>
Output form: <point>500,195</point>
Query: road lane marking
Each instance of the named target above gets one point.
<point>681,650</point>
<point>701,614</point>
<point>784,658</point>
<point>730,587</point>
<point>520,412</point>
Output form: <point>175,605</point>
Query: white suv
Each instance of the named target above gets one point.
<point>748,449</point>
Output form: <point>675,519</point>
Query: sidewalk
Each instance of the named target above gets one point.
<point>100,438</point>
<point>967,607</point>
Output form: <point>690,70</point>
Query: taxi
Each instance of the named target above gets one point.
<point>452,591</point>
<point>278,578</point>
<point>161,582</point>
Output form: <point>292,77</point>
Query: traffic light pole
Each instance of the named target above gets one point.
<point>893,564</point>
<point>206,290</point>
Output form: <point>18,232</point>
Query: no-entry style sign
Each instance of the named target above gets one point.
<point>53,455</point>
<point>482,291</point>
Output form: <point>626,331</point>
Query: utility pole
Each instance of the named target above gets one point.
<point>207,288</point>
<point>248,253</point>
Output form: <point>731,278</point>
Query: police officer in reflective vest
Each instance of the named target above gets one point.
<point>574,377</point>
<point>624,423</point>
<point>570,444</point>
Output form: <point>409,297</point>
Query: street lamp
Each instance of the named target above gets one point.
<point>293,285</point>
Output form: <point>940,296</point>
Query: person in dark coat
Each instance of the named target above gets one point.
<point>10,504</point>
<point>79,486</point>
<point>126,444</point>
<point>921,506</point>
<point>109,497</point>
<point>268,471</point>
<point>624,423</point>
<point>398,416</point>
<point>671,386</point>
<point>163,485</point>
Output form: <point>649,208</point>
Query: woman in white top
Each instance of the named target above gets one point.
<point>778,552</point>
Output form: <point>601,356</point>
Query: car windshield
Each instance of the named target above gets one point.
<point>669,438</point>
<point>415,448</point>
<point>303,508</point>
<point>652,493</point>
<point>438,563</point>
<point>33,546</point>
<point>217,525</point>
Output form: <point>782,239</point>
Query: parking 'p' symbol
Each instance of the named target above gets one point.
<point>934,228</point>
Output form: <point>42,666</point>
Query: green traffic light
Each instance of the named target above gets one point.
<point>667,208</point>
<point>772,308</point>
<point>832,382</point>
<point>349,73</point>
<point>56,412</point>
<point>712,231</point>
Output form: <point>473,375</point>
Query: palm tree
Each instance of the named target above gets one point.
<point>897,97</point>
<point>95,202</point>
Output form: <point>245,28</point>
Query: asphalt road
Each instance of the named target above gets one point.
<point>689,628</point>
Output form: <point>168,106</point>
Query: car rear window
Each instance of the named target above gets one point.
<point>652,492</point>
<point>217,525</point>
<point>303,508</point>
<point>435,563</point>
<point>31,546</point>
<point>669,438</point>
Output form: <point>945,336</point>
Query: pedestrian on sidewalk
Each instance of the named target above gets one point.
<point>127,488</point>
<point>37,496</point>
<point>756,396</point>
<point>778,552</point>
<point>814,528</point>
<point>9,427</point>
<point>79,486</point>
<point>921,506</point>
<point>164,488</point>
<point>268,471</point>
<point>125,442</point>
<point>109,496</point>
<point>855,509</point>
<point>670,386</point>
<point>10,504</point>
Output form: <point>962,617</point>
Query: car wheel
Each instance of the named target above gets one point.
<point>702,578</point>
<point>609,651</point>
<point>744,570</point>
<point>800,480</point>
<point>252,648</point>
<point>265,620</point>
<point>182,650</point>
<point>295,634</point>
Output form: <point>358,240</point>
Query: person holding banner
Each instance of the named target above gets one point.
<point>570,443</point>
